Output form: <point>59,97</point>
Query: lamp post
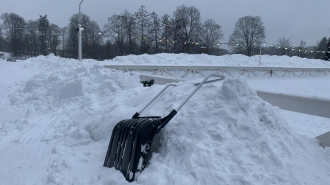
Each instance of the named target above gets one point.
<point>79,36</point>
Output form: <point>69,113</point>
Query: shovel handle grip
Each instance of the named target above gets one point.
<point>165,120</point>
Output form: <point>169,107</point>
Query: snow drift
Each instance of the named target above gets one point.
<point>225,60</point>
<point>225,134</point>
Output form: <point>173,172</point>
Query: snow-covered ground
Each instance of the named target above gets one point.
<point>56,118</point>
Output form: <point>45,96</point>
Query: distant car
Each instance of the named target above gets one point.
<point>11,59</point>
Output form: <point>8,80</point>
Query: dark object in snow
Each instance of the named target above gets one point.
<point>11,59</point>
<point>131,139</point>
<point>148,83</point>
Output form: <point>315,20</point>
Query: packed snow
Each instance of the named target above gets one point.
<point>57,115</point>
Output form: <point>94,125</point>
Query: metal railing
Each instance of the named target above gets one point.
<point>184,71</point>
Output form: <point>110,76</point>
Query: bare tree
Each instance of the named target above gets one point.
<point>115,29</point>
<point>302,48</point>
<point>155,30</point>
<point>143,23</point>
<point>72,37</point>
<point>63,37</point>
<point>90,36</point>
<point>31,38</point>
<point>284,46</point>
<point>211,34</point>
<point>249,33</point>
<point>95,40</point>
<point>188,21</point>
<point>166,28</point>
<point>86,24</point>
<point>14,26</point>
<point>129,23</point>
<point>54,38</point>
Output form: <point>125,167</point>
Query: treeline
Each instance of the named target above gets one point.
<point>142,32</point>
<point>124,34</point>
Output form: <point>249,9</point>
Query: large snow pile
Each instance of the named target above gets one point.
<point>227,135</point>
<point>225,60</point>
<point>56,118</point>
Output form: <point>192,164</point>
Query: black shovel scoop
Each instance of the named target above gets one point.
<point>131,139</point>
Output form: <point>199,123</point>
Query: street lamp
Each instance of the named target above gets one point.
<point>79,36</point>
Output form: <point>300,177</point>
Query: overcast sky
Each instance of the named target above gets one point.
<point>307,20</point>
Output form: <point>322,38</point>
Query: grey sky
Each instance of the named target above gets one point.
<point>297,20</point>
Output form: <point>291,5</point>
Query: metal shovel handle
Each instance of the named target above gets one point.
<point>144,108</point>
<point>196,84</point>
<point>166,119</point>
<point>210,81</point>
<point>199,86</point>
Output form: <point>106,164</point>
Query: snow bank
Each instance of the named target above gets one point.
<point>225,60</point>
<point>57,120</point>
<point>227,135</point>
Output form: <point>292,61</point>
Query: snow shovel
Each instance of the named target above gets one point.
<point>131,139</point>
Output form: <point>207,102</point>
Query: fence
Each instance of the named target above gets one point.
<point>185,71</point>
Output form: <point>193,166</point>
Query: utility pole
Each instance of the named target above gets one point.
<point>79,36</point>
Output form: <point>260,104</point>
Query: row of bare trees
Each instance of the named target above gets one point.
<point>249,36</point>
<point>141,32</point>
<point>284,46</point>
<point>144,32</point>
<point>28,38</point>
<point>123,34</point>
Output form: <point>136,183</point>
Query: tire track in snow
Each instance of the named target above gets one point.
<point>41,129</point>
<point>35,151</point>
<point>13,138</point>
<point>36,132</point>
